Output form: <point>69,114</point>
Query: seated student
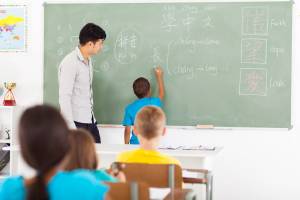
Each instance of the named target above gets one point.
<point>149,127</point>
<point>141,88</point>
<point>82,155</point>
<point>44,143</point>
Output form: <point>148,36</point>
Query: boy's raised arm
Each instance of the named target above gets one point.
<point>160,82</point>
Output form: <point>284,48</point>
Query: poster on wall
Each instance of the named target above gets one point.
<point>13,37</point>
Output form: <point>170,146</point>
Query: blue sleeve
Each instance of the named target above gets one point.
<point>102,190</point>
<point>127,120</point>
<point>157,102</point>
<point>2,190</point>
<point>12,189</point>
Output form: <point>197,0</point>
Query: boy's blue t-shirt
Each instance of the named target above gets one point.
<point>75,185</point>
<point>132,109</point>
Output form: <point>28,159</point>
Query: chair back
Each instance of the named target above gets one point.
<point>128,191</point>
<point>155,175</point>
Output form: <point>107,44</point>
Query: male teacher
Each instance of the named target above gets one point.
<point>75,77</point>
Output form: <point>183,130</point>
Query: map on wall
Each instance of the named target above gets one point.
<point>12,28</point>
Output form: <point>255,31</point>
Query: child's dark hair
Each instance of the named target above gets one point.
<point>43,135</point>
<point>141,87</point>
<point>91,32</point>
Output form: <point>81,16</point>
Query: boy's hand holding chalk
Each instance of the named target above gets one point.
<point>158,71</point>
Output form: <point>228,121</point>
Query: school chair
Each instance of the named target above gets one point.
<point>181,194</point>
<point>166,175</point>
<point>207,180</point>
<point>128,191</point>
<point>155,175</point>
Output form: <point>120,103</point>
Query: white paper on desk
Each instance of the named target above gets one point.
<point>199,147</point>
<point>189,174</point>
<point>159,193</point>
<point>180,147</point>
<point>170,147</point>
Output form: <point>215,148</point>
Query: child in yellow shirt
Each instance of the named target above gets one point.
<point>149,127</point>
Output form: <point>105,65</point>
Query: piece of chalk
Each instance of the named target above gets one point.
<point>205,126</point>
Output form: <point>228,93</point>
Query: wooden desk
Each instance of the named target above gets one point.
<point>107,153</point>
<point>197,159</point>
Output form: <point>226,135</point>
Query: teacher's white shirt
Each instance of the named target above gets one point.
<point>75,88</point>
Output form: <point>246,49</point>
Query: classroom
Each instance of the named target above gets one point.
<point>231,113</point>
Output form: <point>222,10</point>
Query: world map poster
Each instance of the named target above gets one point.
<point>13,28</point>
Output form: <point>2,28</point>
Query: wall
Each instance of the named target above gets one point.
<point>254,164</point>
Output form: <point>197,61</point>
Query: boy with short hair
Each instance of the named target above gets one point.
<point>142,90</point>
<point>149,127</point>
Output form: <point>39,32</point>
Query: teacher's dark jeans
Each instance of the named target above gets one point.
<point>91,128</point>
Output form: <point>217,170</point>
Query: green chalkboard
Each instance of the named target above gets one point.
<point>226,64</point>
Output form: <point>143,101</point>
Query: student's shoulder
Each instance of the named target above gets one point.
<point>131,106</point>
<point>155,101</point>
<point>170,160</point>
<point>77,181</point>
<point>147,101</point>
<point>125,155</point>
<point>12,188</point>
<point>12,182</point>
<point>75,175</point>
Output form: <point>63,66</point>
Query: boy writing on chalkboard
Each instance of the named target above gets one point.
<point>149,127</point>
<point>142,89</point>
